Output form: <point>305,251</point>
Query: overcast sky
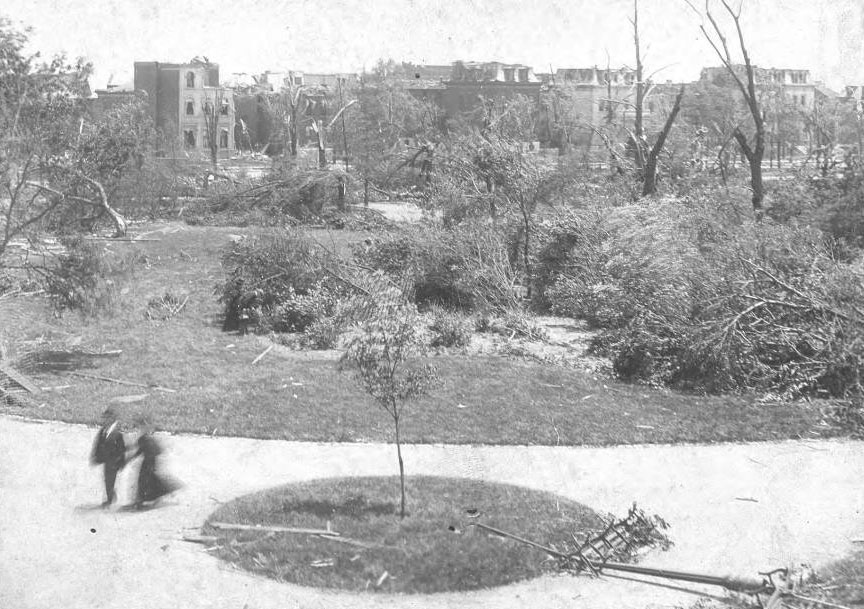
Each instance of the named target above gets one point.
<point>825,36</point>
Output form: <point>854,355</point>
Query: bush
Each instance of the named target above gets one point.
<point>86,277</point>
<point>450,329</point>
<point>464,268</point>
<point>276,283</point>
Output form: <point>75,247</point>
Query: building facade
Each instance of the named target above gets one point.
<point>185,99</point>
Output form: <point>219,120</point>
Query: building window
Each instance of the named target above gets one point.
<point>223,110</point>
<point>208,108</point>
<point>803,100</point>
<point>190,80</point>
<point>523,74</point>
<point>189,138</point>
<point>601,105</point>
<point>508,74</point>
<point>223,138</point>
<point>190,107</point>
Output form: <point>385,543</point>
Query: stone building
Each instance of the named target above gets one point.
<point>179,95</point>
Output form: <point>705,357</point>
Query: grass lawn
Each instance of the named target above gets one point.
<point>841,582</point>
<point>419,554</point>
<point>302,396</point>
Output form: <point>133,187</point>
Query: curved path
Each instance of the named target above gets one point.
<point>804,501</point>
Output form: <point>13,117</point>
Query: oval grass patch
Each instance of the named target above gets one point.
<point>431,550</point>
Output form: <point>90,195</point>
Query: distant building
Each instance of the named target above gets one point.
<point>256,104</point>
<point>471,82</point>
<point>111,97</point>
<point>177,95</point>
<point>794,84</point>
<point>790,97</point>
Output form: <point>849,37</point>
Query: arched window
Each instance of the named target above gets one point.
<point>190,80</point>
<point>190,107</point>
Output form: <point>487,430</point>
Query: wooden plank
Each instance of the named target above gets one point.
<point>119,381</point>
<point>19,378</point>
<point>272,528</point>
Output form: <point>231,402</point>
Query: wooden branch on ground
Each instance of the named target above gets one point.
<point>119,381</point>
<point>273,529</point>
<point>352,542</point>
<point>262,354</point>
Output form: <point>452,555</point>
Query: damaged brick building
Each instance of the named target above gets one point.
<point>179,95</point>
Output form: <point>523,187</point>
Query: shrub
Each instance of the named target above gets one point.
<point>464,268</point>
<point>86,277</point>
<point>278,283</point>
<point>450,329</point>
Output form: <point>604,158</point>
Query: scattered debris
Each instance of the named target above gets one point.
<point>56,388</point>
<point>262,354</point>
<point>461,406</point>
<point>648,427</point>
<point>747,499</point>
<point>62,359</point>
<point>325,562</point>
<point>119,381</point>
<point>382,579</point>
<point>129,399</point>
<point>165,307</point>
<point>351,542</point>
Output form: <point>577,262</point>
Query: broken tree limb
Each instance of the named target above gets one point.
<point>262,354</point>
<point>272,529</point>
<point>119,381</point>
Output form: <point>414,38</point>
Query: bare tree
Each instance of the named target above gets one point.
<point>212,108</point>
<point>645,158</point>
<point>753,150</point>
<point>641,90</point>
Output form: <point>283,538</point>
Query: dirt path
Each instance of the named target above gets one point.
<point>795,502</point>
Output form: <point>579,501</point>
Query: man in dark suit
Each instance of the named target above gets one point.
<point>109,449</point>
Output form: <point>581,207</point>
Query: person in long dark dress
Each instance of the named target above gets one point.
<point>109,450</point>
<point>152,484</point>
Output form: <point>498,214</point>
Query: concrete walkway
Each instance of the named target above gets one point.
<point>733,508</point>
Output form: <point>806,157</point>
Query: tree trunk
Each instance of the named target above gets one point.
<point>649,185</point>
<point>119,221</point>
<point>365,192</point>
<point>756,184</point>
<point>526,248</point>
<point>401,471</point>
